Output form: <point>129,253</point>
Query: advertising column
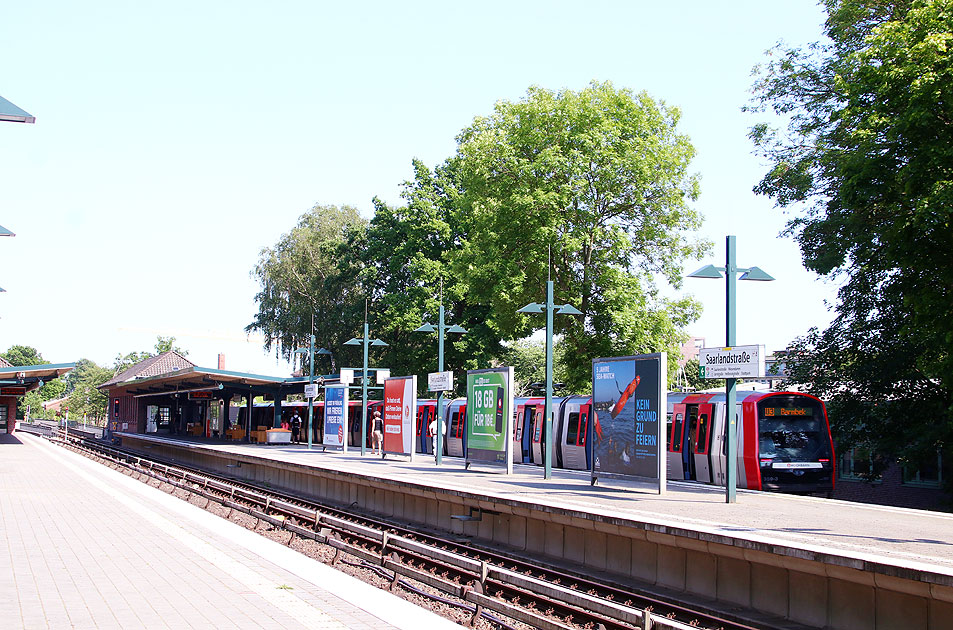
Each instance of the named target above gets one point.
<point>400,410</point>
<point>629,401</point>
<point>335,417</point>
<point>489,417</point>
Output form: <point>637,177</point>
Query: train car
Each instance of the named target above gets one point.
<point>784,441</point>
<point>572,429</point>
<point>456,417</point>
<point>527,423</point>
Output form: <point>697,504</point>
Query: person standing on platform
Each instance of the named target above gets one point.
<point>377,436</point>
<point>433,433</point>
<point>295,427</point>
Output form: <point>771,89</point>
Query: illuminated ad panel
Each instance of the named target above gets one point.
<point>400,409</point>
<point>335,416</point>
<point>489,413</point>
<point>629,400</point>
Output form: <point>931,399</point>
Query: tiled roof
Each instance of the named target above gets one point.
<point>164,363</point>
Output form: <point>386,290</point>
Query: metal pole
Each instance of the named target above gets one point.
<point>731,473</point>
<point>548,411</point>
<point>440,328</point>
<point>364,392</point>
<point>310,398</point>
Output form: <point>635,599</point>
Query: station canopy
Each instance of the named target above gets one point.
<point>16,380</point>
<point>194,378</point>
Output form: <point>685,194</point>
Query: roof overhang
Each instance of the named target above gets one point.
<point>196,379</point>
<point>32,376</point>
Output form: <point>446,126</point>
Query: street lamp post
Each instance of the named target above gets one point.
<point>365,342</point>
<point>310,352</point>
<point>549,308</point>
<point>750,273</point>
<point>441,328</point>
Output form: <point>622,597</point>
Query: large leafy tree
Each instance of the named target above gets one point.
<point>312,272</point>
<point>591,188</point>
<point>85,400</point>
<point>867,160</point>
<point>407,271</point>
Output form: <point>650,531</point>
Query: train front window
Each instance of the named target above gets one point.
<point>792,429</point>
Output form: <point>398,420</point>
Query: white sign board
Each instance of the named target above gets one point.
<point>382,375</point>
<point>311,391</point>
<point>347,376</point>
<point>734,362</point>
<point>440,381</point>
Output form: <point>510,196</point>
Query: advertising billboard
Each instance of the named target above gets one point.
<point>489,413</point>
<point>400,410</point>
<point>335,416</point>
<point>629,400</point>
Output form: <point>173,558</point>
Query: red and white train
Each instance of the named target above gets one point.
<point>784,438</point>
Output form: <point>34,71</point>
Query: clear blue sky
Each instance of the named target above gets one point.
<point>174,140</point>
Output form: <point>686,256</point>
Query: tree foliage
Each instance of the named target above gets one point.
<point>311,272</point>
<point>599,176</point>
<point>593,188</point>
<point>867,159</point>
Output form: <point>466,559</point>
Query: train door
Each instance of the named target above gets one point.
<point>675,468</point>
<point>536,445</point>
<point>572,435</point>
<point>525,425</point>
<point>456,429</point>
<point>701,440</point>
<point>424,417</point>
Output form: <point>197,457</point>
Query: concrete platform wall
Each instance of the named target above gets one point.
<point>742,575</point>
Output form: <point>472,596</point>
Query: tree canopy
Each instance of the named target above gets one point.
<point>592,187</point>
<point>866,162</point>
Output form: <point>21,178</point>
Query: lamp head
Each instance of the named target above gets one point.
<point>532,307</point>
<point>322,351</point>
<point>457,329</point>
<point>568,309</point>
<point>708,271</point>
<point>378,342</point>
<point>756,273</point>
<point>353,342</point>
<point>425,328</point>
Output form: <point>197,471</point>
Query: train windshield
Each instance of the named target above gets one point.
<point>792,429</point>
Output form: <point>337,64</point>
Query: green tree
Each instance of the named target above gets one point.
<point>312,272</point>
<point>406,260</point>
<point>599,178</point>
<point>866,160</point>
<point>85,400</point>
<point>24,355</point>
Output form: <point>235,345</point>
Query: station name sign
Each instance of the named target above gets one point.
<point>733,362</point>
<point>440,381</point>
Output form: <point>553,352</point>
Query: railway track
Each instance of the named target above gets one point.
<point>507,592</point>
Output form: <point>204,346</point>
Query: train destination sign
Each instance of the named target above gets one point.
<point>733,362</point>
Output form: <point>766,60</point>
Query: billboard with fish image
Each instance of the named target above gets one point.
<point>629,403</point>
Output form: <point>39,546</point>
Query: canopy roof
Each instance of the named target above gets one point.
<point>31,377</point>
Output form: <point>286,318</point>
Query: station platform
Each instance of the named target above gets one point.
<point>821,562</point>
<point>84,546</point>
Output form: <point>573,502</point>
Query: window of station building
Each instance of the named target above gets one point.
<point>856,464</point>
<point>927,474</point>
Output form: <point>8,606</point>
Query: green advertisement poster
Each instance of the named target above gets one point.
<point>489,409</point>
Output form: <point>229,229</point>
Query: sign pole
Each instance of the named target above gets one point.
<point>438,455</point>
<point>731,474</point>
<point>548,412</point>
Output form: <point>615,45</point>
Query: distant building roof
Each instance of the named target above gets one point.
<point>5,363</point>
<point>164,363</point>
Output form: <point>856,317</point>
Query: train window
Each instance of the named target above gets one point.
<point>792,430</point>
<point>455,428</point>
<point>677,434</point>
<point>702,446</point>
<point>572,429</point>
<point>583,429</point>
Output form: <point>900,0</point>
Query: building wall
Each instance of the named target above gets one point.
<point>891,490</point>
<point>124,416</point>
